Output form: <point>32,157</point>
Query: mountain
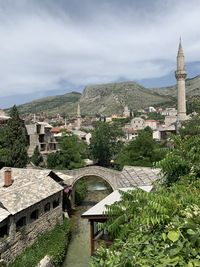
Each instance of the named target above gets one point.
<point>52,104</point>
<point>110,98</point>
<point>192,88</point>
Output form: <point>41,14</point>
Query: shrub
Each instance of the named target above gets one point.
<point>80,191</point>
<point>53,243</point>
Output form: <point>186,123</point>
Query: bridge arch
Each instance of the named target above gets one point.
<point>109,176</point>
<point>96,175</point>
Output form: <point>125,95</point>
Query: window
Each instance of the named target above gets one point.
<point>20,223</point>
<point>34,215</point>
<point>3,230</point>
<point>56,203</point>
<point>47,207</point>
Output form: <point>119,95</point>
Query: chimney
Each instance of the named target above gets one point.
<point>7,177</point>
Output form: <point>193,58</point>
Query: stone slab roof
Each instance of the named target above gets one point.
<point>100,208</point>
<point>138,176</point>
<point>29,187</point>
<point>3,214</point>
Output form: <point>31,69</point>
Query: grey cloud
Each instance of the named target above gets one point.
<point>45,42</point>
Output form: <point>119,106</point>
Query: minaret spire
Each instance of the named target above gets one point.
<point>180,77</point>
<point>78,117</point>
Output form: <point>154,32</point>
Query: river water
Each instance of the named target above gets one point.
<point>78,253</point>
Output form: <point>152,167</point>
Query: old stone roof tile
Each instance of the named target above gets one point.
<point>29,187</point>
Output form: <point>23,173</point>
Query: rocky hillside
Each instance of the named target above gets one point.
<point>111,98</point>
<point>52,104</point>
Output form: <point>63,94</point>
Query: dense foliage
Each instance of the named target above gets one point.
<point>193,104</point>
<point>161,228</point>
<point>155,116</point>
<point>37,158</point>
<point>191,127</point>
<point>53,243</point>
<point>143,151</point>
<point>13,143</point>
<point>71,154</point>
<point>80,191</point>
<point>183,160</point>
<point>154,229</point>
<point>105,143</point>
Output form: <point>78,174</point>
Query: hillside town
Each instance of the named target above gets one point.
<point>33,199</point>
<point>116,183</point>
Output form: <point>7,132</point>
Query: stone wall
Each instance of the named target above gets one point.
<point>19,240</point>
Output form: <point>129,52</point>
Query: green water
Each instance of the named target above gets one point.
<point>78,253</point>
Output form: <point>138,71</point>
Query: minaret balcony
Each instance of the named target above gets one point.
<point>180,74</point>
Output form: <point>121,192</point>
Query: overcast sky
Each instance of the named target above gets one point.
<point>62,45</point>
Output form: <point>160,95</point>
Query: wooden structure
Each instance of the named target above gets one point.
<point>96,215</point>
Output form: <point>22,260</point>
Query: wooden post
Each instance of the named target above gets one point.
<point>92,237</point>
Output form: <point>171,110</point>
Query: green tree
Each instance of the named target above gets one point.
<point>155,116</point>
<point>190,127</point>
<point>71,154</point>
<point>154,229</point>
<point>105,142</point>
<point>3,150</point>
<point>182,160</point>
<point>15,141</point>
<point>143,151</point>
<point>37,158</point>
<point>80,191</point>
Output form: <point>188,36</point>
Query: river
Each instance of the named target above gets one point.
<point>78,253</point>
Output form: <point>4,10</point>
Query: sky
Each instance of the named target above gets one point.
<point>50,47</point>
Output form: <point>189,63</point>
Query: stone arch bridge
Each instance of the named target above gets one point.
<point>130,176</point>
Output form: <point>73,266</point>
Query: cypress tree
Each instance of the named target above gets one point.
<point>16,141</point>
<point>37,158</point>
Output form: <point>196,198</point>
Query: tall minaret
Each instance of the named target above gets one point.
<point>180,77</point>
<point>78,117</point>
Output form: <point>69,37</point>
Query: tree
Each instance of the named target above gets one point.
<point>190,127</point>
<point>183,160</point>
<point>143,151</point>
<point>154,229</point>
<point>15,141</point>
<point>71,154</point>
<point>105,142</point>
<point>37,158</point>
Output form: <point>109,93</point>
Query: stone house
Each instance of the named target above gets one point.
<point>30,203</point>
<point>40,134</point>
<point>137,123</point>
<point>153,124</point>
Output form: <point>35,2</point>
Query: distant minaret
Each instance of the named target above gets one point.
<point>180,77</point>
<point>78,117</point>
<point>34,118</point>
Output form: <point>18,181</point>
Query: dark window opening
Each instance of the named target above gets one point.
<point>20,223</point>
<point>42,147</point>
<point>41,138</point>
<point>47,207</point>
<point>56,203</point>
<point>3,231</point>
<point>34,215</point>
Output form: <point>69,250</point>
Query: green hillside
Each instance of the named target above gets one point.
<point>52,104</point>
<point>110,98</point>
